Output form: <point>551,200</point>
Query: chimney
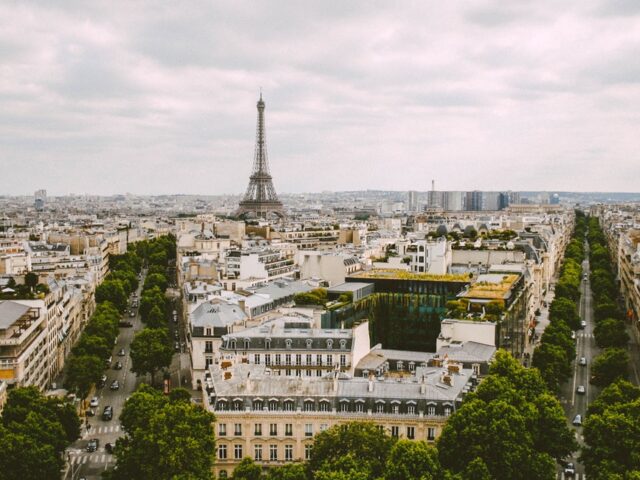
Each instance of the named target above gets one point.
<point>423,386</point>
<point>242,304</point>
<point>370,387</point>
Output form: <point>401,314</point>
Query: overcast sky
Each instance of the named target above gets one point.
<point>160,97</point>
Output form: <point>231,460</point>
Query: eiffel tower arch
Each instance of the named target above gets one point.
<point>260,199</point>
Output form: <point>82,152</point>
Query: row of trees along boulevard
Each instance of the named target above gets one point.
<point>612,424</point>
<point>554,355</point>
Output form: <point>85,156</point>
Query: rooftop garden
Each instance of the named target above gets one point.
<point>30,290</point>
<point>396,274</point>
<point>491,289</point>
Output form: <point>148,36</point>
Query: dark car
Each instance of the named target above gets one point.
<point>108,448</point>
<point>125,324</point>
<point>93,444</point>
<point>569,470</point>
<point>107,413</point>
<point>103,381</point>
<point>117,365</point>
<point>121,352</point>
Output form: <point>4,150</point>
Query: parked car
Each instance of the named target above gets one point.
<point>92,446</point>
<point>107,362</point>
<point>569,470</point>
<point>132,313</point>
<point>93,402</point>
<point>90,413</point>
<point>580,389</point>
<point>108,447</point>
<point>582,362</point>
<point>107,413</point>
<point>103,381</point>
<point>114,385</point>
<point>121,352</point>
<point>577,420</point>
<point>176,346</point>
<point>583,324</point>
<point>573,335</point>
<point>125,324</point>
<point>117,365</point>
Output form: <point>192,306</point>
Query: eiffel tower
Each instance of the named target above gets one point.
<point>260,199</point>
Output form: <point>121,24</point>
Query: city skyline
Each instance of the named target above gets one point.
<point>161,100</point>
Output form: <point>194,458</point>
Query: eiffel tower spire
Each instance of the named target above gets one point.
<point>260,198</point>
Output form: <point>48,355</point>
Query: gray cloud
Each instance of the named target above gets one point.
<point>160,98</point>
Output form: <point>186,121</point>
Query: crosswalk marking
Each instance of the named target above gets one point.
<point>88,458</point>
<point>577,476</point>
<point>99,430</point>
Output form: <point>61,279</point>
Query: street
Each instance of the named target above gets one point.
<point>90,465</point>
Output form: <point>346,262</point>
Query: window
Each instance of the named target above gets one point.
<point>476,368</point>
<point>208,360</point>
<point>207,332</point>
<point>395,408</point>
<point>288,429</point>
<point>222,405</point>
<point>288,452</point>
<point>222,429</point>
<point>273,429</point>
<point>308,359</point>
<point>208,347</point>
<point>258,405</point>
<point>308,373</point>
<point>330,360</point>
<point>288,342</point>
<point>222,452</point>
<point>256,359</point>
<point>278,358</point>
<point>323,427</point>
<point>412,366</point>
<point>343,360</point>
<point>308,406</point>
<point>318,373</point>
<point>411,409</point>
<point>400,365</point>
<point>319,359</point>
<point>257,429</point>
<point>309,343</point>
<point>267,359</point>
<point>431,433</point>
<point>237,405</point>
<point>273,453</point>
<point>237,452</point>
<point>298,359</point>
<point>267,343</point>
<point>273,405</point>
<point>431,410</point>
<point>447,411</point>
<point>395,430</point>
<point>308,429</point>
<point>379,407</point>
<point>237,429</point>
<point>257,452</point>
<point>329,344</point>
<point>344,406</point>
<point>324,406</point>
<point>287,372</point>
<point>359,407</point>
<point>411,433</point>
<point>287,359</point>
<point>307,451</point>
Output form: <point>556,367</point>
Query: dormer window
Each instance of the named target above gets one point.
<point>329,344</point>
<point>343,344</point>
<point>267,343</point>
<point>247,342</point>
<point>309,342</point>
<point>288,342</point>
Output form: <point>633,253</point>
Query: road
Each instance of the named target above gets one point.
<point>573,402</point>
<point>90,465</point>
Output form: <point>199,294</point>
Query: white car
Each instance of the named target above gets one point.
<point>94,402</point>
<point>577,420</point>
<point>582,362</point>
<point>580,389</point>
<point>583,324</point>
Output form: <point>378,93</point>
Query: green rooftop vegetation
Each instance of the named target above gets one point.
<point>491,289</point>
<point>397,274</point>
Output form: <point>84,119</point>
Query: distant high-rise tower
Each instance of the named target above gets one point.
<point>412,201</point>
<point>260,198</point>
<point>40,199</point>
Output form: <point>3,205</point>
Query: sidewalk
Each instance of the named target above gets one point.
<point>543,321</point>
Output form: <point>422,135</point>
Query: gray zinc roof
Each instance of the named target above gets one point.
<point>10,312</point>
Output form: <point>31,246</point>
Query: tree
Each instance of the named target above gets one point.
<point>565,309</point>
<point>611,332</point>
<point>172,440</point>
<point>150,351</point>
<point>345,467</point>
<point>247,469</point>
<point>93,345</point>
<point>620,391</point>
<point>610,365</point>
<point>156,318</point>
<point>511,411</point>
<point>363,440</point>
<point>606,310</point>
<point>291,471</point>
<point>409,460</point>
<point>23,458</point>
<point>149,299</point>
<point>156,280</point>
<point>553,364</point>
<point>112,291</point>
<point>31,280</point>
<point>82,372</point>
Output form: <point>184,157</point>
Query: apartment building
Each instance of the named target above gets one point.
<point>332,267</point>
<point>273,418</point>
<point>430,256</point>
<point>255,265</point>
